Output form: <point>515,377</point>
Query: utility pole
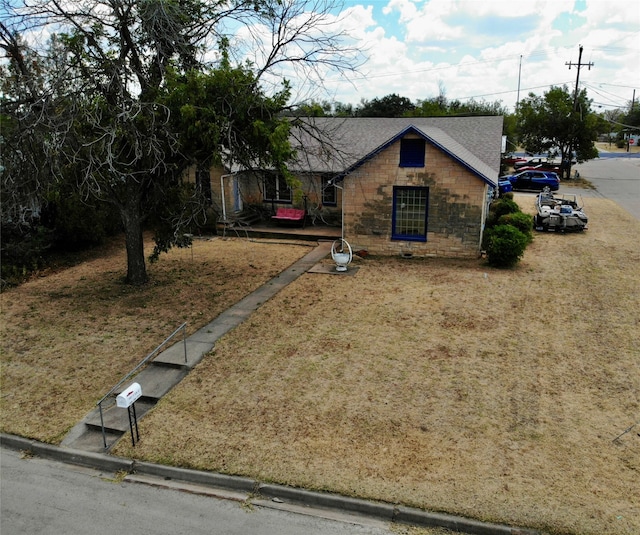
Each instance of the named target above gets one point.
<point>519,72</point>
<point>633,103</point>
<point>579,64</point>
<point>575,104</point>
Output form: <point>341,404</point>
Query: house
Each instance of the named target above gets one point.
<point>408,186</point>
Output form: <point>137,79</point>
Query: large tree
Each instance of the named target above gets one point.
<point>105,114</point>
<point>559,123</point>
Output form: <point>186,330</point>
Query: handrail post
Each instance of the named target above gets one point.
<point>104,434</point>
<point>184,340</point>
<point>144,361</point>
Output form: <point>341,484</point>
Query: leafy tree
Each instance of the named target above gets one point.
<point>221,108</point>
<point>630,122</point>
<point>390,106</point>
<point>341,109</point>
<point>97,108</point>
<point>440,106</point>
<point>558,122</point>
<point>632,118</point>
<point>433,107</point>
<point>312,109</point>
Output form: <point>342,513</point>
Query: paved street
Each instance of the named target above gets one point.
<point>617,179</point>
<point>45,497</point>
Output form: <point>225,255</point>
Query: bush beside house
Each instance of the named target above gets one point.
<point>507,233</point>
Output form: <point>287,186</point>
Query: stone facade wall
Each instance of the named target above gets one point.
<point>456,209</point>
<point>457,200</point>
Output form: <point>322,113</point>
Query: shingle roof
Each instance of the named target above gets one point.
<point>336,145</point>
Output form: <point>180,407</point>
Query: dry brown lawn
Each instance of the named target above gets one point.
<point>69,335</point>
<point>440,384</point>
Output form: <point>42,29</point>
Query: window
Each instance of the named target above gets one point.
<point>329,197</point>
<point>412,152</point>
<point>276,188</point>
<point>409,217</point>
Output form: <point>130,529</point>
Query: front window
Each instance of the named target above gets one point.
<point>410,208</point>
<point>276,188</point>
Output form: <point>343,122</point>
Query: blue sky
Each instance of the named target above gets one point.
<point>476,48</point>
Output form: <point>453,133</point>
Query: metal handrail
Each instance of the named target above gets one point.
<point>133,372</point>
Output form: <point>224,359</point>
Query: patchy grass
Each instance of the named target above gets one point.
<point>439,384</point>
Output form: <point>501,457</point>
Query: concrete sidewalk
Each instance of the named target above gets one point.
<point>172,365</point>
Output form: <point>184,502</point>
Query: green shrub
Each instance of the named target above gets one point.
<point>23,249</point>
<point>523,222</point>
<point>502,206</point>
<point>505,245</point>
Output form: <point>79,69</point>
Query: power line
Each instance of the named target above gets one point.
<point>617,85</point>
<point>615,99</point>
<point>511,91</point>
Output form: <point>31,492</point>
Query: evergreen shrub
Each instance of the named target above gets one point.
<point>523,222</point>
<point>505,245</point>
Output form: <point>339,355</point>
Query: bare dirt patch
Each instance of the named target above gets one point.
<point>439,384</point>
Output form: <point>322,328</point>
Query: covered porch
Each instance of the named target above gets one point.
<point>269,230</point>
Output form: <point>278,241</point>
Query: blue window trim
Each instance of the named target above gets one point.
<point>409,237</point>
<point>413,130</point>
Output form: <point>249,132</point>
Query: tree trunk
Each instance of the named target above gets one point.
<point>565,164</point>
<point>136,266</point>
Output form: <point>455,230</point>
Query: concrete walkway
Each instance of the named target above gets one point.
<point>171,366</point>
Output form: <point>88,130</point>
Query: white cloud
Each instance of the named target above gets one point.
<point>475,48</point>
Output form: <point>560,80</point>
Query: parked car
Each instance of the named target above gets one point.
<point>510,160</point>
<point>536,163</point>
<point>534,180</point>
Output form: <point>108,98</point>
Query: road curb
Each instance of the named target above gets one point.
<point>100,461</point>
<point>408,515</point>
<point>322,500</point>
<point>328,501</point>
<point>209,479</point>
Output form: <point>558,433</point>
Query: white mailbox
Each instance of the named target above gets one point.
<point>128,396</point>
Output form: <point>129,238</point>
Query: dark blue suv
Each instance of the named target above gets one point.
<point>534,180</point>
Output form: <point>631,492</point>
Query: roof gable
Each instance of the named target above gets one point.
<point>340,145</point>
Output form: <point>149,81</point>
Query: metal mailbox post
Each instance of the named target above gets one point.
<point>127,400</point>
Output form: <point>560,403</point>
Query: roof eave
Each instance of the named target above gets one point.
<point>412,129</point>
